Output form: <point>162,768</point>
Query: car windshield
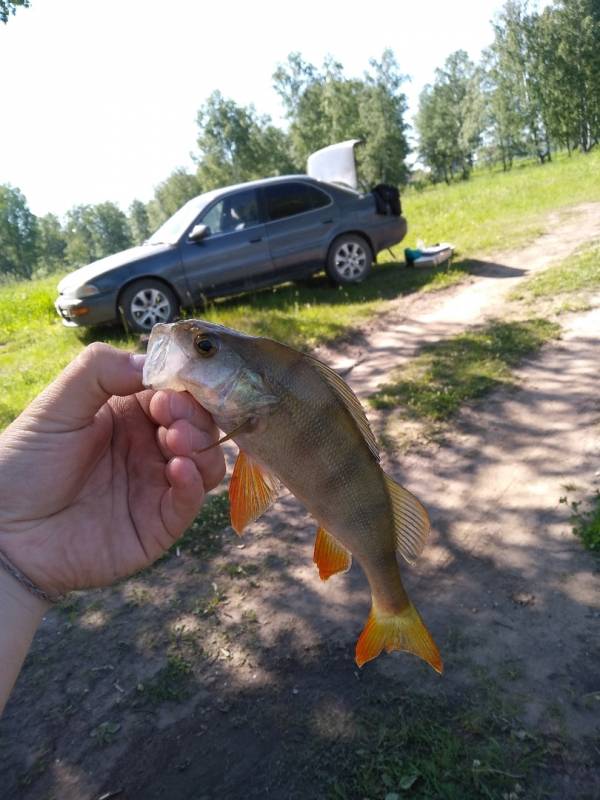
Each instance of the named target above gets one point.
<point>171,231</point>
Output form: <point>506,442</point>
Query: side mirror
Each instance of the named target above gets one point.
<point>198,232</point>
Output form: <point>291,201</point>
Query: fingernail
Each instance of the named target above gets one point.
<point>180,408</point>
<point>137,360</point>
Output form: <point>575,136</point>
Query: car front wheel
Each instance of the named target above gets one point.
<point>350,259</point>
<point>146,302</point>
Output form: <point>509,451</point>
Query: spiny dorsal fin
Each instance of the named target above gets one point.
<point>350,401</point>
<point>411,521</point>
<point>330,556</point>
<point>251,491</point>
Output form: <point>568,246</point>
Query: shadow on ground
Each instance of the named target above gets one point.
<point>228,672</point>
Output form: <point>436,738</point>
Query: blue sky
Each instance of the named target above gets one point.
<point>99,97</point>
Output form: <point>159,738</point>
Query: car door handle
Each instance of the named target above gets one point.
<point>254,241</point>
<point>326,221</point>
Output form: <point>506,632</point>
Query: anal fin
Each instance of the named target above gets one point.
<point>402,631</point>
<point>251,491</point>
<point>330,556</point>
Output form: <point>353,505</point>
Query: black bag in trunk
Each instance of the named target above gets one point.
<point>387,200</point>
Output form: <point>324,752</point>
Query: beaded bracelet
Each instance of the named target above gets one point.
<point>27,583</point>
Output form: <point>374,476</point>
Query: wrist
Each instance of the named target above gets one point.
<point>15,596</point>
<point>27,576</point>
<point>20,615</point>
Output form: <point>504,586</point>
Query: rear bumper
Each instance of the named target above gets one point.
<point>96,310</point>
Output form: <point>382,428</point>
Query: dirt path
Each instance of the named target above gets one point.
<point>270,702</point>
<point>428,317</point>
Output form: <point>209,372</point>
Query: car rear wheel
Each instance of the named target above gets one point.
<point>350,259</point>
<point>146,302</point>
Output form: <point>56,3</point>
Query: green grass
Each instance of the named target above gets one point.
<point>493,210</point>
<point>580,273</point>
<point>172,683</point>
<point>448,373</point>
<point>34,345</point>
<point>204,536</point>
<point>496,210</point>
<point>585,519</point>
<point>428,749</point>
<point>304,316</point>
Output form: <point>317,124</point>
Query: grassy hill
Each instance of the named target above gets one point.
<point>492,211</point>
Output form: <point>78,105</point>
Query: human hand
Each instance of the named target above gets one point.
<point>98,478</point>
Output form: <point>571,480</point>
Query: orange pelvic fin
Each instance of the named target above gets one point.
<point>330,556</point>
<point>403,631</point>
<point>411,521</point>
<point>251,491</point>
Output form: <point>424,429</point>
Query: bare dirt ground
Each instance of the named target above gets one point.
<point>228,672</point>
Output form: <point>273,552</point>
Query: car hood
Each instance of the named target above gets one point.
<point>335,164</point>
<point>103,265</point>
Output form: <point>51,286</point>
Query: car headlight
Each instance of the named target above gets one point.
<point>87,290</point>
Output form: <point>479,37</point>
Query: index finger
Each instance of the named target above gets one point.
<point>166,407</point>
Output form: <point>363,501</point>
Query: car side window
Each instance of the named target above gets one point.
<point>288,199</point>
<point>233,213</point>
<point>316,197</point>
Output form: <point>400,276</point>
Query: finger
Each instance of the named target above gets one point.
<point>183,500</point>
<point>99,372</point>
<point>161,440</point>
<point>166,407</point>
<point>183,439</point>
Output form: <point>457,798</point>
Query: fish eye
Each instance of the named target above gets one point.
<point>205,345</point>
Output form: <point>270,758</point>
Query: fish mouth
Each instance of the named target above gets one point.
<point>164,359</point>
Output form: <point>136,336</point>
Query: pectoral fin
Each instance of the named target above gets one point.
<point>330,556</point>
<point>251,491</point>
<point>411,521</point>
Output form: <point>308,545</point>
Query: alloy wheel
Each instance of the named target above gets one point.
<point>149,306</point>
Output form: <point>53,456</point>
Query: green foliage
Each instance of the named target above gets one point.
<point>93,232</point>
<point>541,86</point>
<point>170,195</point>
<point>236,144</point>
<point>324,107</point>
<point>8,7</point>
<point>139,222</point>
<point>51,245</point>
<point>450,118</point>
<point>449,373</point>
<point>18,234</point>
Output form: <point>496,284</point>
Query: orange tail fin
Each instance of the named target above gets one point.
<point>403,631</point>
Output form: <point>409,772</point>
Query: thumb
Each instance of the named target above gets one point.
<point>73,399</point>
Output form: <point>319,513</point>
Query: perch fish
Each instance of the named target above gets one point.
<point>297,423</point>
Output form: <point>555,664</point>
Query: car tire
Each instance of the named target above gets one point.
<point>144,303</point>
<point>350,259</point>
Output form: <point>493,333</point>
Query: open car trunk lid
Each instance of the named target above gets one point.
<point>335,164</point>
